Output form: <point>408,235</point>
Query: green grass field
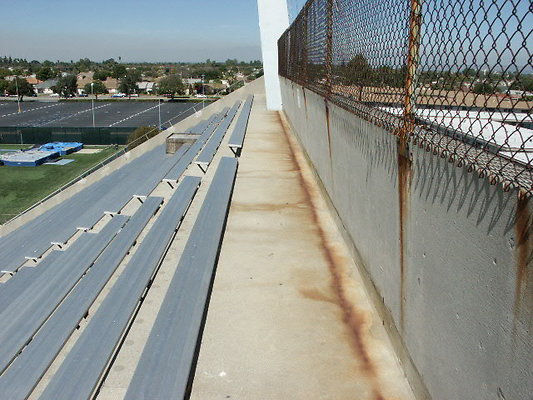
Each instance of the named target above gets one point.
<point>21,187</point>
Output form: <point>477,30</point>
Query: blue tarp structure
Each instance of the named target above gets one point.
<point>63,148</point>
<point>28,158</point>
<point>39,155</point>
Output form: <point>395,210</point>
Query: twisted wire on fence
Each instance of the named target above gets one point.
<point>454,76</point>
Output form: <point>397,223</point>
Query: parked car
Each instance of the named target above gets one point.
<point>83,95</point>
<point>119,95</point>
<point>134,95</point>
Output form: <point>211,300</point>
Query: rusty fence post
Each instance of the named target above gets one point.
<point>305,51</point>
<point>413,59</point>
<point>329,46</point>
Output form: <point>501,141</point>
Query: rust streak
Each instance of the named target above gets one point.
<point>524,248</point>
<point>329,130</point>
<point>353,319</point>
<point>404,182</point>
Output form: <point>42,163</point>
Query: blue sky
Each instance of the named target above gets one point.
<point>147,30</point>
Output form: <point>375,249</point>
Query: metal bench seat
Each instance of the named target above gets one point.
<point>208,152</point>
<point>85,364</point>
<point>202,126</point>
<point>20,281</point>
<point>27,369</point>
<point>165,365</point>
<point>109,194</point>
<point>236,139</point>
<point>177,171</point>
<point>26,313</point>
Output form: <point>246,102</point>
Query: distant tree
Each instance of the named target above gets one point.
<point>21,87</point>
<point>523,82</point>
<point>97,88</point>
<point>119,71</point>
<point>101,74</point>
<point>141,135</point>
<point>470,72</point>
<point>484,88</point>
<point>128,84</point>
<point>3,85</point>
<point>171,85</point>
<point>84,65</point>
<point>46,73</point>
<point>358,71</point>
<point>66,86</point>
<point>4,72</point>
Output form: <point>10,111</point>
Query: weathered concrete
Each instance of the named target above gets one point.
<point>447,255</point>
<point>289,316</point>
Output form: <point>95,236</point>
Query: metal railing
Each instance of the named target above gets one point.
<point>453,76</point>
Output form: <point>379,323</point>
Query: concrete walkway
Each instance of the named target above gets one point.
<point>289,317</point>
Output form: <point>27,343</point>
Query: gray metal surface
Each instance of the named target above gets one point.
<point>23,374</point>
<point>84,365</point>
<point>165,364</point>
<point>20,281</point>
<point>202,126</point>
<point>110,193</point>
<point>207,154</point>
<point>237,136</point>
<point>23,317</point>
<point>175,173</point>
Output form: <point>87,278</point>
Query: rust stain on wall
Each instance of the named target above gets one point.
<point>524,252</point>
<point>354,320</point>
<point>404,183</point>
<point>329,129</point>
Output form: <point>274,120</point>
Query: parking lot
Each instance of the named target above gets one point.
<point>106,114</point>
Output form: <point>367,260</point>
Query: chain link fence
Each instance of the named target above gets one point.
<point>453,76</point>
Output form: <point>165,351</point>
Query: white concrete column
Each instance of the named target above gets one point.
<point>273,20</point>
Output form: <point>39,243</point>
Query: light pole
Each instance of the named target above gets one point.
<point>92,100</point>
<point>159,112</point>
<point>17,86</point>
<point>203,92</point>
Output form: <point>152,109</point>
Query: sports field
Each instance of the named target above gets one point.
<point>21,187</point>
<point>106,114</point>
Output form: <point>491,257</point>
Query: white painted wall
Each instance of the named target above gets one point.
<point>273,21</point>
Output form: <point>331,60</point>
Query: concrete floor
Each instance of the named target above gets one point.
<point>289,316</point>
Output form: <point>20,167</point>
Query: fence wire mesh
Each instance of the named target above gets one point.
<point>454,76</point>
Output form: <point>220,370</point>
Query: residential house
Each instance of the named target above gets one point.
<point>146,87</point>
<point>83,79</point>
<point>111,84</point>
<point>46,86</point>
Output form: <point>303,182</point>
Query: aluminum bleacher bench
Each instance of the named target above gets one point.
<point>30,309</point>
<point>27,369</point>
<point>85,208</point>
<point>208,152</point>
<point>202,126</point>
<point>175,173</point>
<point>165,365</point>
<point>236,139</point>
<point>82,368</point>
<point>20,281</point>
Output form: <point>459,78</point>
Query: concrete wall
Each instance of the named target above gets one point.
<point>447,256</point>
